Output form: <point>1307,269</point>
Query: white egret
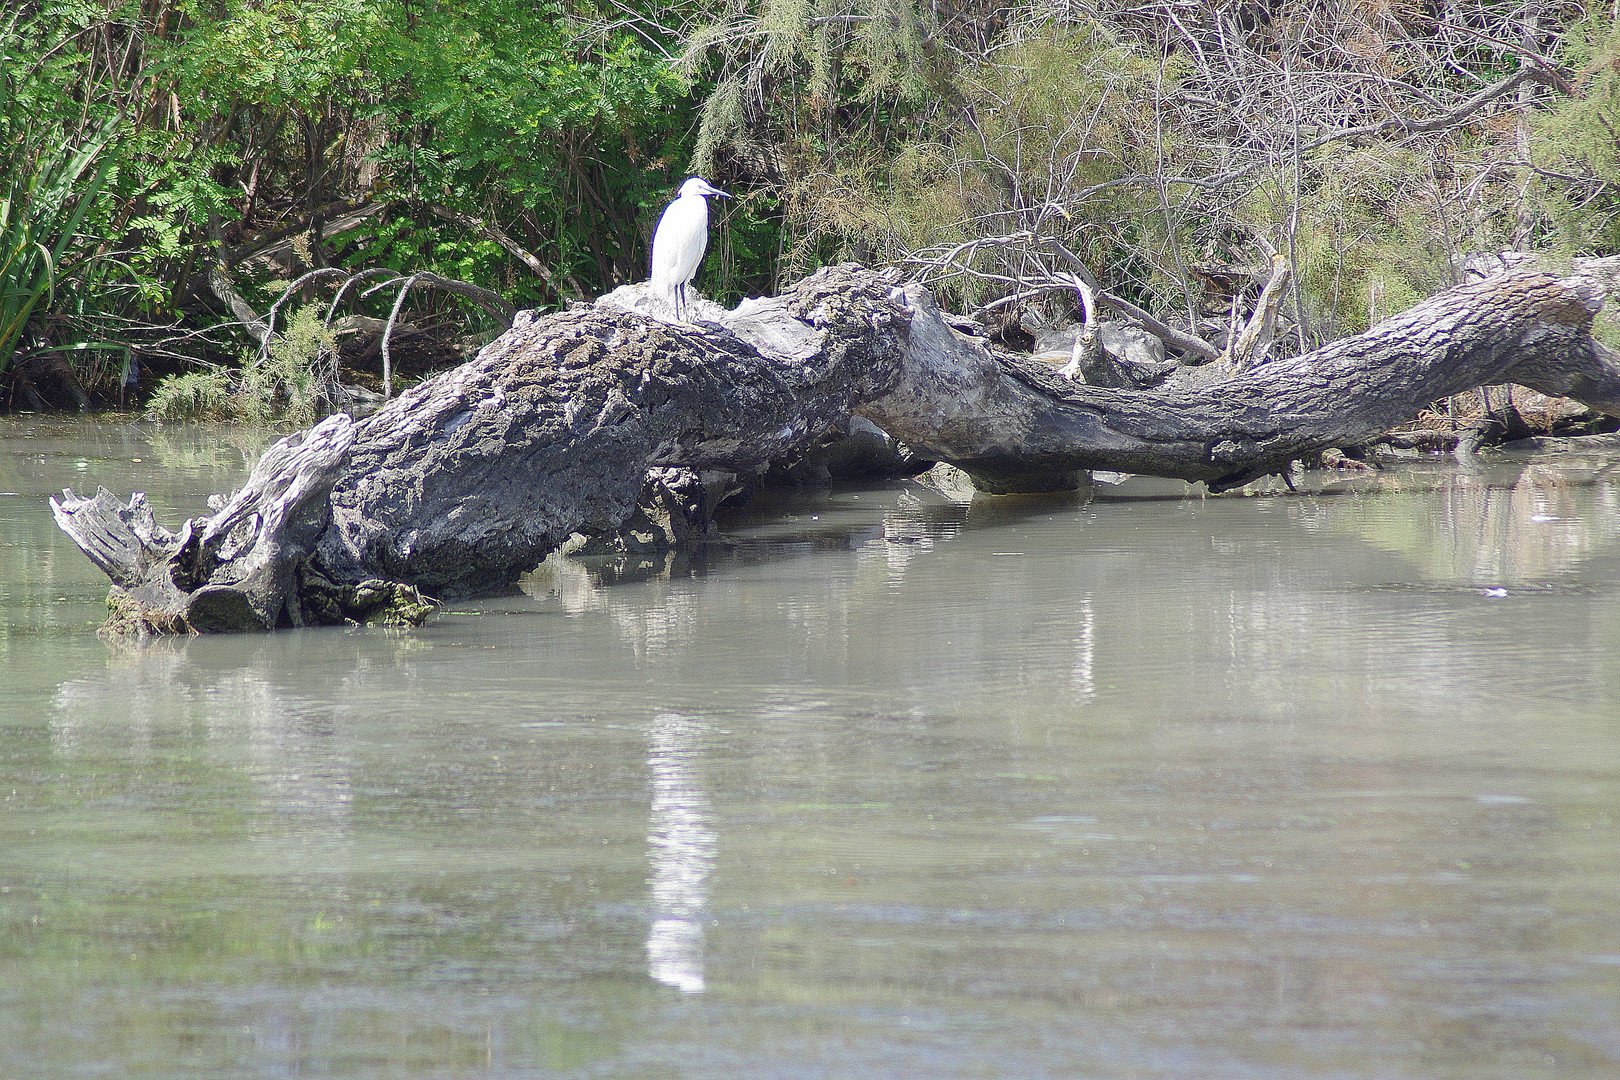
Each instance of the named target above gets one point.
<point>679,241</point>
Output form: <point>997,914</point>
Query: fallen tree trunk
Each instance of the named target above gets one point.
<point>474,476</point>
<point>1013,422</point>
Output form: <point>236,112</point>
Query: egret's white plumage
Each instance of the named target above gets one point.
<point>679,241</point>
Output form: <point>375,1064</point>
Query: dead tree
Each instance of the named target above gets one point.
<point>471,478</point>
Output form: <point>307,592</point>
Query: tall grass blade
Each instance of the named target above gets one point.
<point>39,221</point>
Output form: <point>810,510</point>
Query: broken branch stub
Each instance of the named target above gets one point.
<point>1253,344</point>
<point>236,570</point>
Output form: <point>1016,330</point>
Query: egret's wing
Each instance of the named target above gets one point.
<point>662,247</point>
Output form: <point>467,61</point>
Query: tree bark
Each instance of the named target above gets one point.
<point>473,477</point>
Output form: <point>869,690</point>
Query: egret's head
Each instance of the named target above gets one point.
<point>699,186</point>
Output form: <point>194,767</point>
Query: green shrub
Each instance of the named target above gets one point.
<point>290,383</point>
<point>193,395</point>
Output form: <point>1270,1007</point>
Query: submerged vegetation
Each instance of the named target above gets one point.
<point>166,166</point>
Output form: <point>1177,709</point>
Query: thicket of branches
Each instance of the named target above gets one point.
<point>1372,142</point>
<point>158,157</point>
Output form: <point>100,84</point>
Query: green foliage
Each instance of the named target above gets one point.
<point>887,142</point>
<point>1062,116</point>
<point>235,119</point>
<point>140,142</point>
<point>1370,237</point>
<point>41,247</point>
<point>1580,135</point>
<point>818,96</point>
<point>517,116</point>
<point>399,242</point>
<point>506,110</point>
<point>193,395</point>
<point>51,174</point>
<point>846,64</point>
<point>1063,108</point>
<point>280,54</point>
<point>287,383</point>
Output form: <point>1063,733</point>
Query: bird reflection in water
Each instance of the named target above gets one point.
<point>681,849</point>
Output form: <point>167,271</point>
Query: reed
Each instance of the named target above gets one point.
<point>50,177</point>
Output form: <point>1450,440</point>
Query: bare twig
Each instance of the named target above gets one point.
<point>286,294</point>
<point>388,332</point>
<point>1181,340</point>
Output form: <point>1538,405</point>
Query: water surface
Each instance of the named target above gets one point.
<point>1137,783</point>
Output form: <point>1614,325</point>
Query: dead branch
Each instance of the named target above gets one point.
<point>511,247</point>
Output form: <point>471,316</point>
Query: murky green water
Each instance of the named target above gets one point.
<point>1149,785</point>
